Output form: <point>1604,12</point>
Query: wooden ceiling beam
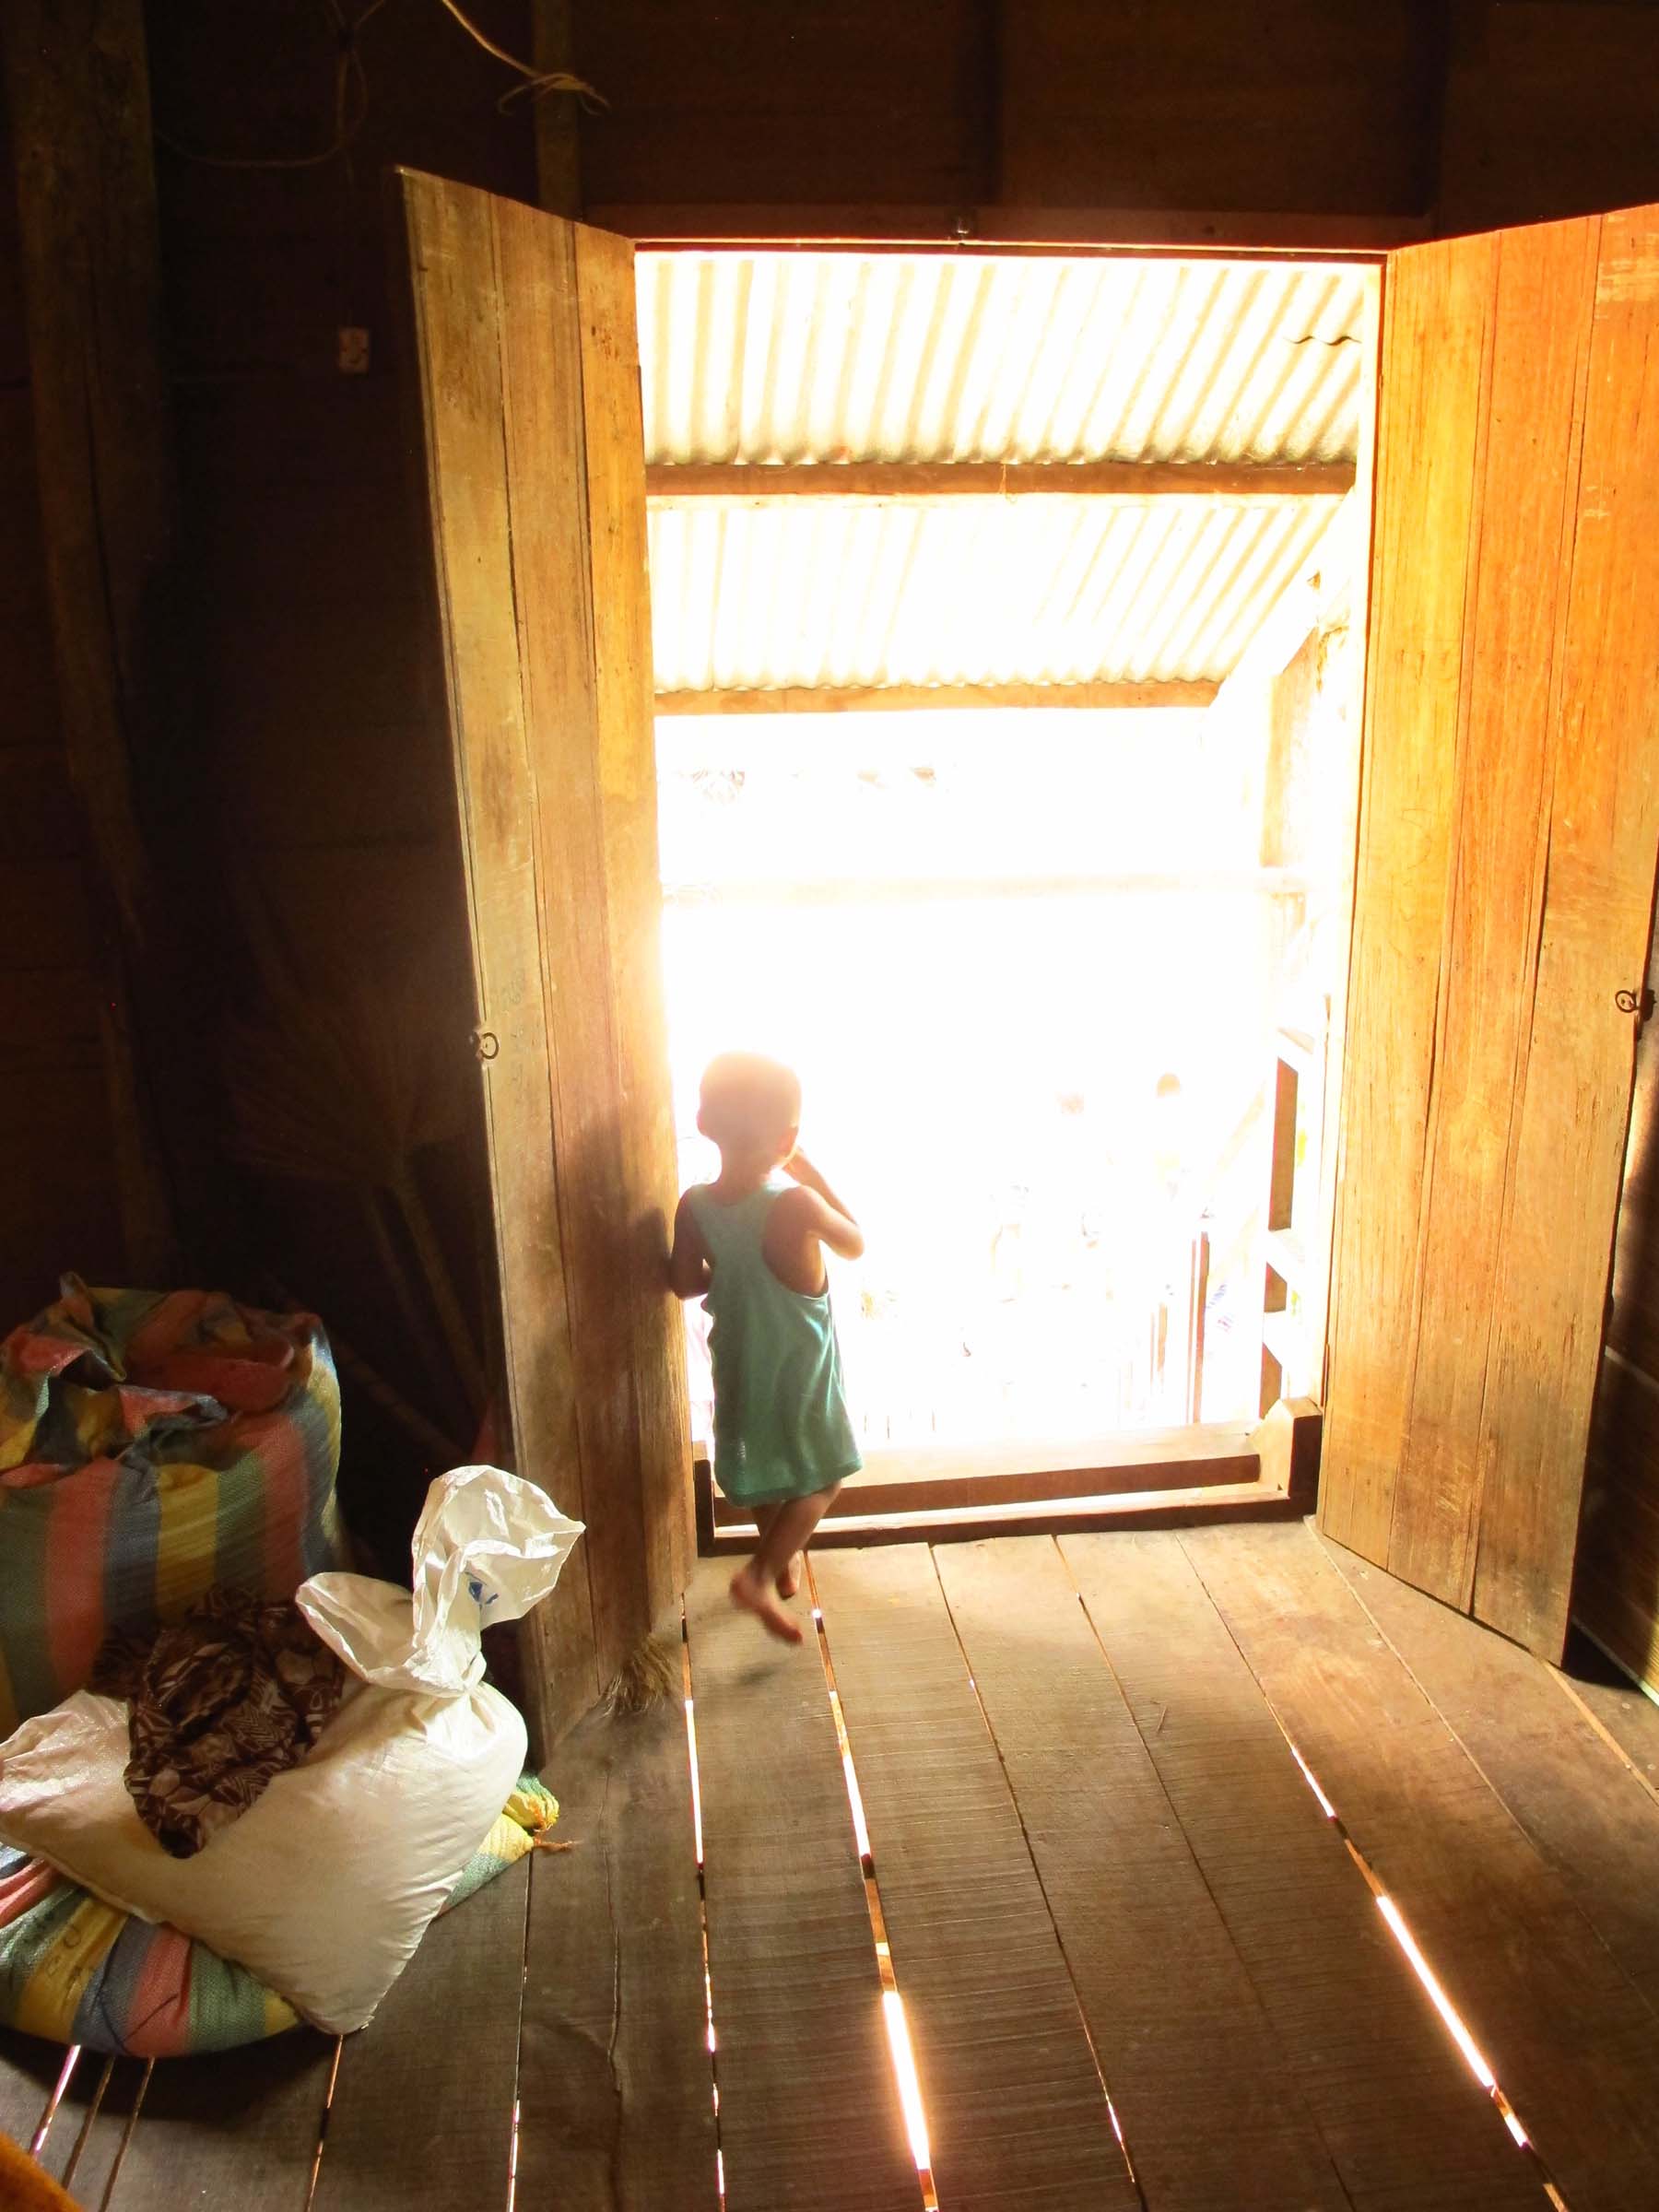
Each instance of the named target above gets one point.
<point>746,482</point>
<point>882,699</point>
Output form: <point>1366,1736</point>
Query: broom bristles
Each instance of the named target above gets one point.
<point>650,1676</point>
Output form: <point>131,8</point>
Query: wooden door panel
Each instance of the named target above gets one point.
<point>450,238</point>
<point>1434,344</point>
<point>525,361</point>
<point>1574,1104</point>
<point>1516,608</point>
<point>1504,887</point>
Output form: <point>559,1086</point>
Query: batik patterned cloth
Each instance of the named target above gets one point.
<point>73,1969</point>
<point>154,1445</point>
<point>221,1702</point>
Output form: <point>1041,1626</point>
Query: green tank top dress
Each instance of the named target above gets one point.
<point>781,1423</point>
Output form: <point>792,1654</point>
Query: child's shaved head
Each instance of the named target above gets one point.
<point>749,1102</point>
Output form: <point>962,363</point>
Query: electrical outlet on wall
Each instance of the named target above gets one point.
<point>353,354</point>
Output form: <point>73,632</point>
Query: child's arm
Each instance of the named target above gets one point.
<point>689,1270</point>
<point>832,1221</point>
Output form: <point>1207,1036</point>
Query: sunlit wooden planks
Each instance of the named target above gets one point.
<point>1588,1813</point>
<point>1199,2080</point>
<point>423,2101</point>
<point>1404,2121</point>
<point>233,2127</point>
<point>1569,2037</point>
<point>1016,2113</point>
<point>809,2115</point>
<point>616,2111</point>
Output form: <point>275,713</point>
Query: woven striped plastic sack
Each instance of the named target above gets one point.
<point>73,1969</point>
<point>153,1444</point>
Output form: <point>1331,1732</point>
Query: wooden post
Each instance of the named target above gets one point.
<point>1286,1444</point>
<point>558,118</point>
<point>80,98</point>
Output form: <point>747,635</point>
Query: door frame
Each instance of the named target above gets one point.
<point>1030,238</point>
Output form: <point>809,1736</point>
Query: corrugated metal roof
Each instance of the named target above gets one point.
<point>970,590</point>
<point>900,357</point>
<point>759,356</point>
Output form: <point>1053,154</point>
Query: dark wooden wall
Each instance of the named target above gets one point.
<point>1615,1589</point>
<point>316,681</point>
<point>58,1182</point>
<point>939,115</point>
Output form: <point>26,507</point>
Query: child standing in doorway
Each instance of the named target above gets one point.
<point>754,1246</point>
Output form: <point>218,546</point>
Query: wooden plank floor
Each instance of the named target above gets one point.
<point>1140,1962</point>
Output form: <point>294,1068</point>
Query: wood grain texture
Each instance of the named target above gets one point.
<point>1436,308</point>
<point>810,2120</point>
<point>422,2111</point>
<point>1511,818</point>
<point>616,2110</point>
<point>1241,482</point>
<point>614,449</point>
<point>1574,1114</point>
<point>1016,2113</point>
<point>536,488</point>
<point>1402,2125</point>
<point>1569,2037</point>
<point>1504,765</point>
<point>1586,1812</point>
<point>238,2127</point>
<point>1178,2026</point>
<point>549,524</point>
<point>448,237</point>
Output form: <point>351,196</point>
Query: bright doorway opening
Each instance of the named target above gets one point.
<point>1007,628</point>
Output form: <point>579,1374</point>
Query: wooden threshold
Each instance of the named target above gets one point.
<point>1148,1479</point>
<point>1201,1505</point>
<point>947,1477</point>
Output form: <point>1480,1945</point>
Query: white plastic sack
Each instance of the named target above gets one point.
<point>325,1887</point>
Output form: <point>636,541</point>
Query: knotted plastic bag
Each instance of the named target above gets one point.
<point>487,1547</point>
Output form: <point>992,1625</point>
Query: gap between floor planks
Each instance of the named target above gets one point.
<point>1567,2033</point>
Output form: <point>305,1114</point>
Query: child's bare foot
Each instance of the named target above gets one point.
<point>752,1594</point>
<point>789,1578</point>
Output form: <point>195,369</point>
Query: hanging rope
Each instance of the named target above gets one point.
<point>351,93</point>
<point>538,82</point>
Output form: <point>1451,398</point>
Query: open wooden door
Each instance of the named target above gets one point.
<point>1509,816</point>
<point>526,369</point>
